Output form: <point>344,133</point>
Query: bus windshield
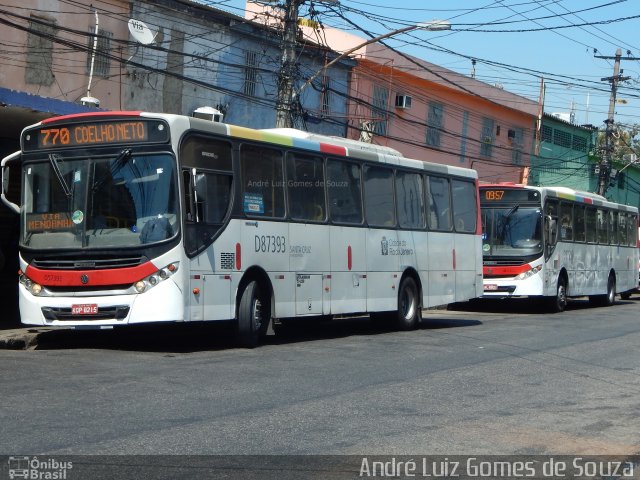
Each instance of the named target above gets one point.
<point>118,201</point>
<point>511,231</point>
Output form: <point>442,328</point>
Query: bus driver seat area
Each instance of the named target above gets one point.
<point>155,230</point>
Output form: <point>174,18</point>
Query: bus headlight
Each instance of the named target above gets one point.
<point>36,288</point>
<point>529,273</point>
<point>33,287</point>
<point>155,278</point>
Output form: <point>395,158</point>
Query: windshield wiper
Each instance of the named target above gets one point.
<point>118,163</point>
<point>513,210</point>
<point>53,158</point>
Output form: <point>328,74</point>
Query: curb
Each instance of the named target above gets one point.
<point>19,339</point>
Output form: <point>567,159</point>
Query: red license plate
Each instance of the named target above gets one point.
<point>490,288</point>
<point>84,309</point>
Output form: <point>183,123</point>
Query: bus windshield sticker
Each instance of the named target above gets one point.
<point>77,217</point>
<point>253,203</point>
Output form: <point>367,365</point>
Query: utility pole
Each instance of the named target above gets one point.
<point>288,65</point>
<point>605,163</point>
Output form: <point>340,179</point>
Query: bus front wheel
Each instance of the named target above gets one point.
<point>409,314</point>
<point>558,302</point>
<point>254,314</point>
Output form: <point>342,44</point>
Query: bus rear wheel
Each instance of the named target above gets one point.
<point>409,313</point>
<point>254,315</point>
<point>558,302</point>
<point>609,298</point>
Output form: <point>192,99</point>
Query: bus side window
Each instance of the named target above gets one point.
<point>613,227</point>
<point>622,229</point>
<point>464,206</point>
<point>578,223</point>
<point>345,191</point>
<point>551,216</point>
<point>378,197</point>
<point>262,181</point>
<point>603,234</point>
<point>591,224</point>
<point>566,221</point>
<point>439,204</point>
<point>305,186</point>
<point>409,200</point>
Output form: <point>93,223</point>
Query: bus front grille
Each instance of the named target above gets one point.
<point>117,312</point>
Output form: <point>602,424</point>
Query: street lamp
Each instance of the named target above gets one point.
<point>432,26</point>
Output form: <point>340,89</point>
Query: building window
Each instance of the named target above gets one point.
<point>562,138</point>
<point>621,181</point>
<point>379,109</point>
<point>463,136</point>
<point>579,144</point>
<point>102,62</point>
<point>517,144</point>
<point>547,133</point>
<point>486,140</point>
<point>435,122</point>
<point>250,73</point>
<point>325,98</point>
<point>40,51</point>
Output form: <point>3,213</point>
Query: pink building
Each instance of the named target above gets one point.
<point>428,112</point>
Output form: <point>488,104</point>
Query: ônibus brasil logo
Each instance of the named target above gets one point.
<point>33,468</point>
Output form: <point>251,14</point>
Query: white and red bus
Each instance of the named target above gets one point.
<point>131,217</point>
<point>555,242</point>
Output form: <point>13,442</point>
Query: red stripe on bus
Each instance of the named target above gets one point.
<point>349,258</point>
<point>517,270</point>
<point>90,114</point>
<point>73,278</point>
<point>238,256</point>
<point>335,149</point>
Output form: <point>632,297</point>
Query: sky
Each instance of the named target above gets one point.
<point>515,43</point>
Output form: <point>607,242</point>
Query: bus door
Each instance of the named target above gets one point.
<point>442,254</point>
<point>382,239</point>
<point>347,238</point>
<point>308,234</point>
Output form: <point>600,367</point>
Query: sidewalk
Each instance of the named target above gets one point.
<point>20,338</point>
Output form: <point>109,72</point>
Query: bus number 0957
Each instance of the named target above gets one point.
<point>270,244</point>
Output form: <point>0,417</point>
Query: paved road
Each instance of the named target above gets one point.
<point>489,382</point>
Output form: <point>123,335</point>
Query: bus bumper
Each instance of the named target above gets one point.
<point>162,303</point>
<point>512,287</point>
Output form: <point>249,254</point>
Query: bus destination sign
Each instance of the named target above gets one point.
<point>95,133</point>
<point>509,195</point>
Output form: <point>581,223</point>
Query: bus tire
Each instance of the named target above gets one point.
<point>254,314</point>
<point>607,299</point>
<point>409,313</point>
<point>625,295</point>
<point>558,302</point>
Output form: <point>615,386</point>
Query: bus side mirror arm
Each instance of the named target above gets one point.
<point>194,189</point>
<point>6,161</point>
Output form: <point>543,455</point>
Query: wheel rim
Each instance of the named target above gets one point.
<point>408,304</point>
<point>257,314</point>
<point>611,292</point>
<point>562,295</point>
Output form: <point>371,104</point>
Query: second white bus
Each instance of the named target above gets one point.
<point>555,242</point>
